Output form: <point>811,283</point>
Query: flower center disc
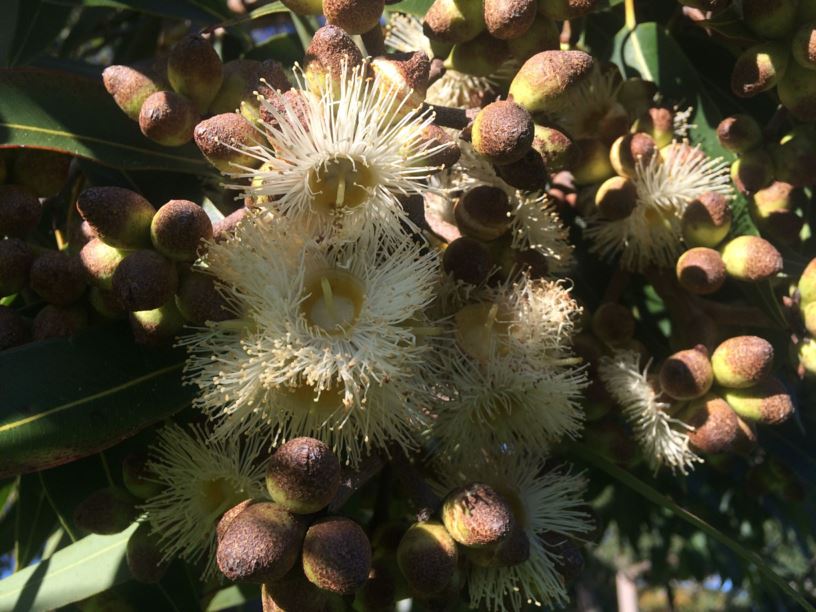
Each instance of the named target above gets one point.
<point>330,400</point>
<point>479,327</point>
<point>335,301</point>
<point>340,182</point>
<point>216,495</point>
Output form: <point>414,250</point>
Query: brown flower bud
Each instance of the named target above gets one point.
<point>408,75</point>
<point>427,557</point>
<point>453,21</point>
<point>774,211</point>
<point>179,228</point>
<point>767,402</point>
<point>130,86</point>
<point>195,71</point>
<point>40,171</point>
<point>752,171</point>
<point>476,515</point>
<point>20,211</point>
<point>687,374</point>
<point>354,16</point>
<point>14,329</point>
<point>57,322</point>
<point>222,139</point>
<point>759,68</point>
<point>331,48</point>
<point>630,150</point>
<point>446,151</point>
<point>199,301</point>
<point>99,261</point>
<point>803,46</point>
<point>556,148</point>
<point>57,277</point>
<point>144,280</point>
<point>144,556</point>
<point>742,361</point>
<point>467,260</point>
<point>158,326</point>
<point>303,475</point>
<point>168,118</point>
<point>739,133</point>
<point>616,198</point>
<point>119,217</point>
<point>509,19</point>
<point>706,220</point>
<point>701,271</point>
<point>751,258</point>
<point>483,212</point>
<point>658,123</point>
<point>138,478</point>
<point>294,593</point>
<point>15,264</point>
<point>502,132</point>
<point>562,10</point>
<point>545,81</point>
<point>715,424</point>
<point>797,92</point>
<point>336,555</point>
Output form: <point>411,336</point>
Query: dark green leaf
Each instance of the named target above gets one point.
<point>35,23</point>
<point>415,7</point>
<point>203,11</point>
<point>285,48</point>
<point>93,391</point>
<point>74,114</point>
<point>34,520</point>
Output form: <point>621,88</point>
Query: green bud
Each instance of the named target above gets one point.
<point>119,217</point>
<point>57,277</point>
<point>483,212</point>
<point>542,35</point>
<point>144,280</point>
<point>753,171</point>
<point>14,329</point>
<point>767,402</point>
<point>700,271</point>
<point>195,71</point>
<point>130,86</point>
<point>168,119</point>
<point>759,68</point>
<point>303,475</point>
<point>774,211</point>
<point>336,555</point>
<point>20,211</point>
<point>751,258</point>
<point>221,139</point>
<point>770,18</point>
<point>427,557</point>
<point>179,229</point>
<point>57,322</point>
<point>502,132</point>
<point>325,56</point>
<point>506,20</point>
<point>556,148</point>
<point>407,74</point>
<point>477,516</point>
<point>616,198</point>
<point>480,56</point>
<point>546,80</point>
<point>354,16</point>
<point>630,150</point>
<point>562,10</point>
<point>739,133</point>
<point>658,123</point>
<point>16,258</point>
<point>715,424</point>
<point>99,261</point>
<point>797,92</point>
<point>706,220</point>
<point>158,326</point>
<point>453,21</point>
<point>106,511</point>
<point>742,361</point>
<point>807,357</point>
<point>687,375</point>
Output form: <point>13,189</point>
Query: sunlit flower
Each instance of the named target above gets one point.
<point>663,439</point>
<point>202,478</point>
<point>651,234</point>
<point>339,160</point>
<point>546,503</point>
<point>327,343</point>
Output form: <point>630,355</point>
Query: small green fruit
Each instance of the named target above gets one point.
<point>546,80</point>
<point>768,402</point>
<point>556,148</point>
<point>751,258</point>
<point>303,475</point>
<point>427,557</point>
<point>706,220</point>
<point>453,21</point>
<point>168,119</point>
<point>119,217</point>
<point>477,516</point>
<point>195,71</point>
<point>480,56</point>
<point>336,555</point>
<point>742,361</point>
<point>354,16</point>
<point>506,20</point>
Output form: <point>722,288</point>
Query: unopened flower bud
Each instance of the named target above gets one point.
<point>658,123</point>
<point>260,544</point>
<point>767,402</point>
<point>758,69</point>
<point>304,7</point>
<point>408,75</point>
<point>168,119</point>
<point>144,280</point>
<point>331,48</point>
<point>59,322</point>
<point>545,81</point>
<point>742,361</point>
<point>807,357</point>
<point>481,56</point>
<point>106,511</point>
<point>57,277</point>
<point>221,139</point>
<point>739,133</point>
<point>354,16</point>
<point>542,35</point>
<point>427,557</point>
<point>138,478</point>
<point>242,77</point>
<point>20,211</point>
<point>453,21</point>
<point>591,163</point>
<point>616,198</point>
<point>483,212</point>
<point>770,19</point>
<point>613,324</point>
<point>687,374</point>
<point>336,555</point>
<point>467,260</point>
<point>447,150</point>
<point>797,92</point>
<point>506,20</point>
<point>195,71</point>
<point>529,173</point>
<point>751,258</point>
<point>562,10</point>
<point>752,171</point>
<point>119,217</point>
<point>794,157</point>
<point>158,326</point>
<point>502,132</point>
<point>303,475</point>
<point>99,261</point>
<point>630,150</point>
<point>226,519</point>
<point>199,301</point>
<point>144,556</point>
<point>774,211</point>
<point>556,148</point>
<point>178,229</point>
<point>476,515</point>
<point>706,220</point>
<point>701,271</point>
<point>130,86</point>
<point>14,329</point>
<point>803,46</point>
<point>294,593</point>
<point>15,264</point>
<point>715,424</point>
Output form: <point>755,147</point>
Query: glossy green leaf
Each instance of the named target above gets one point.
<point>415,7</point>
<point>90,566</point>
<point>32,27</point>
<point>204,11</point>
<point>34,520</point>
<point>74,114</point>
<point>93,391</point>
<point>285,48</point>
<point>233,596</point>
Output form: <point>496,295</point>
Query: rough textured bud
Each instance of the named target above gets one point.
<point>427,557</point>
<point>529,173</point>
<point>770,18</point>
<point>630,150</point>
<point>168,118</point>
<point>502,132</point>
<point>158,326</point>
<point>99,261</point>
<point>20,211</point>
<point>768,402</point>
<point>453,21</point>
<point>336,555</point>
<point>613,324</point>
<point>226,519</point>
<point>658,123</point>
<point>448,153</point>
<point>195,71</point>
<point>467,260</point>
<point>752,171</point>
<point>701,271</point>
<point>242,77</point>
<point>706,220</point>
<point>543,35</point>
<point>294,593</point>
<point>354,16</point>
<point>408,74</point>
<point>144,280</point>
<point>545,81</point>
<point>40,171</point>
<point>592,163</point>
<point>220,139</point>
<point>15,264</point>
<point>759,68</point>
<point>807,357</point>
<point>199,301</point>
<point>144,557</point>
<point>119,217</point>
<point>13,329</point>
<point>562,10</point>
<point>803,46</point>
<point>481,56</point>
<point>739,133</point>
<point>483,212</point>
<point>106,511</point>
<point>226,227</point>
<point>138,478</point>
<point>751,258</point>
<point>330,48</point>
<point>715,424</point>
<point>260,544</point>
<point>807,284</point>
<point>797,92</point>
<point>742,361</point>
<point>304,7</point>
<point>506,20</point>
<point>179,228</point>
<point>303,475</point>
<point>476,515</point>
<point>687,374</point>
<point>556,148</point>
<point>774,211</point>
<point>616,198</point>
<point>55,322</point>
<point>57,277</point>
<point>637,95</point>
<point>130,86</point>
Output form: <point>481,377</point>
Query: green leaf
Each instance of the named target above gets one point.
<point>415,7</point>
<point>90,566</point>
<point>285,48</point>
<point>74,114</point>
<point>91,392</point>
<point>34,521</point>
<point>203,11</point>
<point>749,557</point>
<point>32,27</point>
<point>234,596</point>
